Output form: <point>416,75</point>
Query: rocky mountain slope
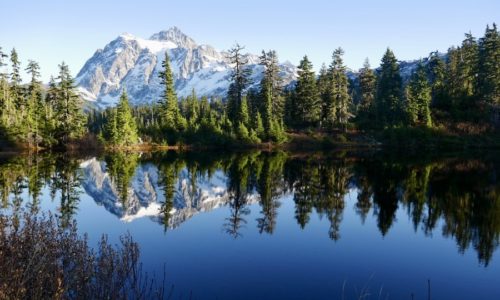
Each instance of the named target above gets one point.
<point>134,63</point>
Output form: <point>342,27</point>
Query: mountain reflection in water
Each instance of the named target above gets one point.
<point>170,188</point>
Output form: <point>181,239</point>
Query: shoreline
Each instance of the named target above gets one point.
<point>394,139</point>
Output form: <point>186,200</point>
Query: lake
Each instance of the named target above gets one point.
<point>277,225</point>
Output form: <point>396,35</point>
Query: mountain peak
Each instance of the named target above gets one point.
<point>175,35</point>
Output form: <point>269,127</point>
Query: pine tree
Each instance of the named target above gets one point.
<point>49,121</point>
<point>367,90</point>
<point>489,66</point>
<point>35,104</point>
<point>111,127</point>
<point>389,92</point>
<point>306,108</point>
<point>239,82</point>
<point>323,85</point>
<point>418,96</point>
<point>437,79</point>
<point>5,100</point>
<point>16,91</point>
<point>271,84</point>
<point>68,108</point>
<point>468,69</point>
<point>337,109</point>
<point>171,117</point>
<point>125,122</point>
<point>244,117</point>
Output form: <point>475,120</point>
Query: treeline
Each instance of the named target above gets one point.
<point>457,92</point>
<point>34,115</point>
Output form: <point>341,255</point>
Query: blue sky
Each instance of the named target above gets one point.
<point>52,31</point>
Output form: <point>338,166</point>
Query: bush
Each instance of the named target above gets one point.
<point>40,260</point>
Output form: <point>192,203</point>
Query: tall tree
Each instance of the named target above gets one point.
<point>68,108</point>
<point>389,92</point>
<point>125,122</point>
<point>489,66</point>
<point>437,71</point>
<point>272,105</point>
<point>323,86</point>
<point>5,100</point>
<point>35,104</point>
<point>468,70</point>
<point>15,81</point>
<point>367,91</point>
<point>306,109</point>
<point>337,109</point>
<point>240,78</point>
<point>418,96</point>
<point>169,106</point>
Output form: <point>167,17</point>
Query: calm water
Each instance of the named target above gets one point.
<point>276,225</point>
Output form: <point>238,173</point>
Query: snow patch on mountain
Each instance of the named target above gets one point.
<point>134,63</point>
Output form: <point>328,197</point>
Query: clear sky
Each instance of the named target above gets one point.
<point>52,31</point>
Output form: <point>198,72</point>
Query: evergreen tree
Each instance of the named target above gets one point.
<point>271,84</point>
<point>68,108</point>
<point>243,116</point>
<point>5,100</point>
<point>337,108</point>
<point>306,108</point>
<point>323,86</point>
<point>367,90</point>
<point>239,82</point>
<point>489,66</point>
<point>437,79</point>
<point>418,96</point>
<point>111,127</point>
<point>35,105</point>
<point>389,92</point>
<point>171,117</point>
<point>468,70</point>
<point>48,119</point>
<point>16,92</point>
<point>125,122</point>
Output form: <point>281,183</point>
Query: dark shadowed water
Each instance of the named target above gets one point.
<point>283,226</point>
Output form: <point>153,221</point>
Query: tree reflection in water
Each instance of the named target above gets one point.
<point>462,194</point>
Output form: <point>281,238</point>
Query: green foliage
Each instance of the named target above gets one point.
<point>389,92</point>
<point>239,82</point>
<point>305,107</point>
<point>367,90</point>
<point>170,117</point>
<point>418,97</point>
<point>337,94</point>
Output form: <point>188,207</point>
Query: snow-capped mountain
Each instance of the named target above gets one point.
<point>144,195</point>
<point>134,63</point>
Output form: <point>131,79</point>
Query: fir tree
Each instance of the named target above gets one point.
<point>437,79</point>
<point>5,100</point>
<point>489,66</point>
<point>337,109</point>
<point>306,108</point>
<point>239,82</point>
<point>125,122</point>
<point>171,117</point>
<point>35,104</point>
<point>389,92</point>
<point>68,108</point>
<point>418,96</point>
<point>271,84</point>
<point>16,91</point>
<point>323,85</point>
<point>468,69</point>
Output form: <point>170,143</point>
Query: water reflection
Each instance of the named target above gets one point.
<point>457,198</point>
